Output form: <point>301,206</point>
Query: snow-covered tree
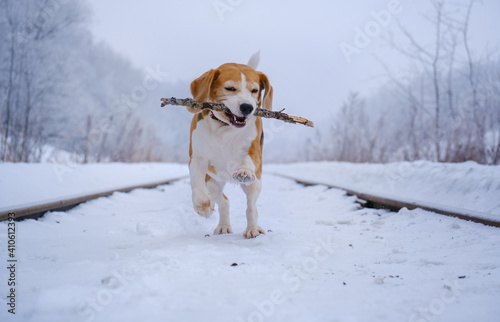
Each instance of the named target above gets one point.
<point>59,88</point>
<point>446,108</point>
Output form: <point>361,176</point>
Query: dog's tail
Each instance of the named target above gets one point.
<point>254,60</point>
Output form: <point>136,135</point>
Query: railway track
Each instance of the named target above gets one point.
<point>370,200</point>
<point>367,200</point>
<point>34,211</point>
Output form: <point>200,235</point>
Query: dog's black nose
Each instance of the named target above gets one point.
<point>246,109</point>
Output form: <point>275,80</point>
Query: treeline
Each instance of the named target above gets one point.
<point>59,90</point>
<point>446,109</point>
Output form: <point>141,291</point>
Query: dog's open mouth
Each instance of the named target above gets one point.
<point>237,121</point>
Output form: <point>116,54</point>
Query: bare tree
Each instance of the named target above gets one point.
<point>472,81</point>
<point>35,71</point>
<point>13,26</point>
<point>59,89</point>
<point>428,59</point>
<point>445,109</point>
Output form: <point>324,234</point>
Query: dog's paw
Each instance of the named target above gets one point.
<point>223,229</point>
<point>203,205</point>
<point>245,176</point>
<point>253,231</point>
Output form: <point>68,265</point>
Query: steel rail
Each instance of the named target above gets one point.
<point>384,202</point>
<point>370,201</point>
<point>37,210</point>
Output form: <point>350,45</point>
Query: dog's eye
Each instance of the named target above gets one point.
<point>231,89</point>
<point>255,90</point>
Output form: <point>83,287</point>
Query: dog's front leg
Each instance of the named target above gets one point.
<point>245,174</point>
<point>252,191</point>
<point>202,203</point>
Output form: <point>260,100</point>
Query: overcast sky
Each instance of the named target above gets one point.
<point>300,41</point>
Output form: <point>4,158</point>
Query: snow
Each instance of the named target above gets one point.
<point>23,184</point>
<point>469,186</point>
<point>145,256</point>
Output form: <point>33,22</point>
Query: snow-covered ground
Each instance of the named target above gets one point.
<point>468,185</point>
<point>24,184</point>
<point>145,256</point>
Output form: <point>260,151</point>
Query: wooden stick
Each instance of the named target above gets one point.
<point>219,107</point>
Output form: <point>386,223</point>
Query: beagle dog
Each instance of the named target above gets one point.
<point>227,147</point>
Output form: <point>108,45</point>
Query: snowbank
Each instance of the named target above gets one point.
<point>24,184</point>
<point>460,185</point>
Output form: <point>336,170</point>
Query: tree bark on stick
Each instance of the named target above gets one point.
<point>219,107</point>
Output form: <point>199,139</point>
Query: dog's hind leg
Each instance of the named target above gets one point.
<point>202,202</point>
<point>215,189</point>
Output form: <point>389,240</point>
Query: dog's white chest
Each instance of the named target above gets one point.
<point>224,149</point>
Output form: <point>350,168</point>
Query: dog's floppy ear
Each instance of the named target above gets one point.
<point>267,100</point>
<point>200,87</point>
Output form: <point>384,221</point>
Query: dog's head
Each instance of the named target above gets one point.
<point>239,87</point>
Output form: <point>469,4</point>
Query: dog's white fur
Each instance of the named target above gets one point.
<point>221,150</point>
